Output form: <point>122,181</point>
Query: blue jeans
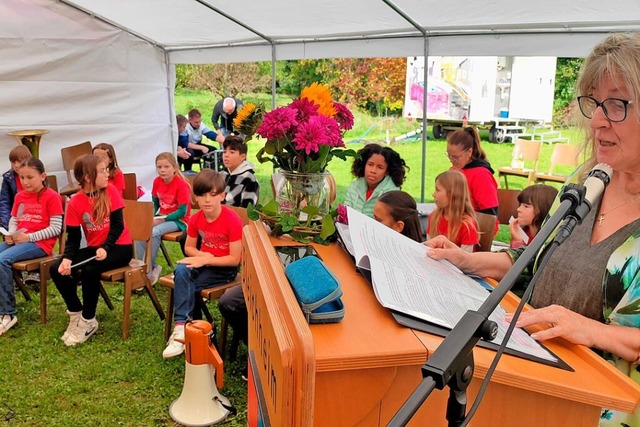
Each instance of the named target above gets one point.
<point>190,281</point>
<point>8,255</point>
<point>156,237</point>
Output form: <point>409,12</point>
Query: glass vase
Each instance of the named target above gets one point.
<point>295,190</point>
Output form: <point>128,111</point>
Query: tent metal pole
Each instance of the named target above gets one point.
<point>424,120</point>
<point>273,76</point>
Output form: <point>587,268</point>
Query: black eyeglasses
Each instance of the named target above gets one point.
<point>615,109</point>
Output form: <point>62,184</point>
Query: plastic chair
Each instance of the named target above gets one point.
<point>130,186</point>
<point>69,156</point>
<point>486,228</point>
<point>206,295</point>
<point>562,155</point>
<point>40,265</point>
<point>138,216</point>
<point>526,151</point>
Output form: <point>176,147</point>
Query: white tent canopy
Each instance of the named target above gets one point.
<point>102,70</point>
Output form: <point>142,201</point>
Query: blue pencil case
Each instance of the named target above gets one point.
<point>317,290</point>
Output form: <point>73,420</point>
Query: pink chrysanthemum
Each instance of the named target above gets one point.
<point>305,109</point>
<point>342,214</point>
<point>278,123</point>
<point>343,116</point>
<point>310,136</point>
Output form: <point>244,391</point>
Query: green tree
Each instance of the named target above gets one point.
<point>567,70</point>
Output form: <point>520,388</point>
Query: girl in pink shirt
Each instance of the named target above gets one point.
<point>34,225</point>
<point>97,209</point>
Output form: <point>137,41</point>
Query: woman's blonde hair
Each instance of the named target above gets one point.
<point>617,56</point>
<point>85,170</point>
<point>459,210</point>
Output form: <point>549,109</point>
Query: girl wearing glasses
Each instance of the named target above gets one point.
<point>97,209</point>
<point>466,156</point>
<point>589,290</point>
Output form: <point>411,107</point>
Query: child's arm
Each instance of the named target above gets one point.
<point>177,214</point>
<point>116,227</point>
<point>53,230</point>
<point>198,258</point>
<point>5,203</point>
<point>72,245</point>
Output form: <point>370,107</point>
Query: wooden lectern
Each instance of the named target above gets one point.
<point>361,370</point>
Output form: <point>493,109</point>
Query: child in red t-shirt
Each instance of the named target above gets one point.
<point>107,153</point>
<point>454,216</point>
<point>215,262</point>
<point>34,225</point>
<point>97,209</point>
<point>171,195</point>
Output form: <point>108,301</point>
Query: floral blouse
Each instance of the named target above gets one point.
<point>622,277</point>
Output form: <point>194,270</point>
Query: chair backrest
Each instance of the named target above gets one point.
<point>486,228</point>
<point>194,203</point>
<point>70,154</point>
<point>242,213</point>
<point>53,182</point>
<point>564,155</point>
<point>530,150</point>
<point>138,217</point>
<point>333,188</point>
<point>130,186</point>
<point>507,204</point>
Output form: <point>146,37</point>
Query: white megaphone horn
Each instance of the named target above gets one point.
<point>200,403</point>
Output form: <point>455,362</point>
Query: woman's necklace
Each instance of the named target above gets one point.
<point>602,215</point>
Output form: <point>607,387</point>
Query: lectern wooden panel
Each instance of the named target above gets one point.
<point>361,370</point>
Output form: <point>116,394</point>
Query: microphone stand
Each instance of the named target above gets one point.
<point>452,363</point>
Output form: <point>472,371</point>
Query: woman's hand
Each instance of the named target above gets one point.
<point>562,323</point>
<point>443,248</point>
<point>100,254</point>
<point>65,267</point>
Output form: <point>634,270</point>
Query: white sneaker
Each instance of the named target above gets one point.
<point>8,320</point>
<point>82,331</point>
<point>74,316</point>
<point>175,347</point>
<point>154,275</point>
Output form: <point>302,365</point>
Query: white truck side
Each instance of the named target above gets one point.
<point>502,94</point>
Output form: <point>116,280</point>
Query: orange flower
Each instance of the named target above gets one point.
<point>321,96</point>
<point>244,112</point>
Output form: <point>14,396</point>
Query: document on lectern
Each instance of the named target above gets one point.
<point>406,280</point>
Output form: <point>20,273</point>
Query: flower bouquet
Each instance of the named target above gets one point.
<point>301,139</point>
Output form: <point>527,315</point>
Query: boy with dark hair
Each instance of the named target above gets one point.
<point>11,184</point>
<point>242,187</point>
<point>215,262</point>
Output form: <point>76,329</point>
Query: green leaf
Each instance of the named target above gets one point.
<point>288,221</point>
<point>271,209</point>
<point>328,227</point>
<point>251,212</point>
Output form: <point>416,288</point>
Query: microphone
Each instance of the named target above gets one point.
<point>594,185</point>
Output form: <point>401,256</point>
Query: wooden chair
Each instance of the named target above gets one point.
<point>69,156</point>
<point>130,186</point>
<point>53,182</point>
<point>206,295</point>
<point>529,152</point>
<point>138,216</point>
<point>507,204</point>
<point>486,228</point>
<point>40,265</point>
<point>562,155</point>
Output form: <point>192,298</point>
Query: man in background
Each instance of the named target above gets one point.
<point>224,112</point>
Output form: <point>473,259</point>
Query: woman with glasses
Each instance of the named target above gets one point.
<point>589,292</point>
<point>466,155</point>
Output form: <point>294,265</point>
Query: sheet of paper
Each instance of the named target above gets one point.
<point>345,237</point>
<point>77,264</point>
<point>6,232</point>
<point>405,279</point>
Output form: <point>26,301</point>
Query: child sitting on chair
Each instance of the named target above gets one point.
<point>242,186</point>
<point>215,263</point>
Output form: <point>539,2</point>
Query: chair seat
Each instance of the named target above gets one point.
<point>547,177</point>
<point>172,236</point>
<point>117,274</point>
<point>511,171</point>
<point>32,264</point>
<point>69,190</point>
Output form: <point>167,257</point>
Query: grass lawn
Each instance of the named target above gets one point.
<point>107,381</point>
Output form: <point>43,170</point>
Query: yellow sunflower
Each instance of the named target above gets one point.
<point>321,96</point>
<point>248,119</point>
